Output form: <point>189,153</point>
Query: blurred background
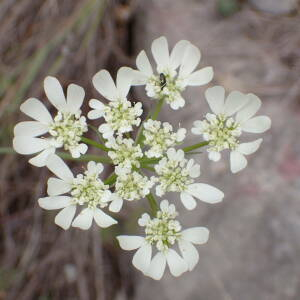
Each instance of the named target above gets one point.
<point>254,249</point>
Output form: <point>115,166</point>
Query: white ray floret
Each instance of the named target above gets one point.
<point>160,137</point>
<point>162,233</point>
<point>177,174</point>
<point>223,130</point>
<point>64,130</point>
<point>85,190</point>
<point>168,82</point>
<point>130,186</point>
<point>124,153</point>
<point>120,115</point>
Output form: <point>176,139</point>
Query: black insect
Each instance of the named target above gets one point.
<point>163,80</point>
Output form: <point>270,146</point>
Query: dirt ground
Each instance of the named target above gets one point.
<point>254,246</point>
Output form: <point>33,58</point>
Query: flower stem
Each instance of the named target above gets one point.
<point>7,150</point>
<point>86,157</point>
<point>158,108</point>
<point>196,146</point>
<point>139,136</point>
<point>145,166</point>
<point>95,144</point>
<point>111,179</point>
<point>152,202</point>
<point>97,132</point>
<point>150,160</point>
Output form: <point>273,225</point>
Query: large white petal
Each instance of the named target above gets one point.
<point>215,98</point>
<point>189,253</point>
<point>176,263</point>
<point>196,235</point>
<point>102,219</point>
<point>58,167</point>
<point>201,77</point>
<point>75,97</point>
<point>190,60</point>
<point>96,104</point>
<point>105,85</point>
<point>116,204</point>
<point>237,161</point>
<point>95,114</point>
<point>160,51</point>
<point>124,79</point>
<point>64,217</point>
<point>55,93</point>
<point>55,202</point>
<point>138,78</point>
<point>258,124</point>
<point>249,148</point>
<point>214,155</point>
<point>57,187</point>
<point>30,128</point>
<point>130,242</point>
<point>29,145</point>
<point>205,192</point>
<point>41,159</point>
<point>84,219</point>
<point>143,64</point>
<point>35,109</point>
<point>249,110</point>
<point>142,257</point>
<point>188,201</point>
<point>177,103</point>
<point>157,266</point>
<point>234,102</point>
<point>177,53</point>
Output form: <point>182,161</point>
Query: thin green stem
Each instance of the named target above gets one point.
<point>67,156</point>
<point>86,157</point>
<point>153,203</point>
<point>196,146</point>
<point>7,150</point>
<point>111,179</point>
<point>158,108</point>
<point>97,133</point>
<point>95,144</point>
<point>145,166</point>
<point>139,136</point>
<point>150,160</point>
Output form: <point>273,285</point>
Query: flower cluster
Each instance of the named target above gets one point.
<point>135,148</point>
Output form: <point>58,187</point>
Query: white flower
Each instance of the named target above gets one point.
<point>168,83</point>
<point>160,136</point>
<point>162,232</point>
<point>86,190</point>
<point>176,174</point>
<point>223,131</point>
<point>120,114</point>
<point>124,153</point>
<point>130,186</point>
<point>65,130</point>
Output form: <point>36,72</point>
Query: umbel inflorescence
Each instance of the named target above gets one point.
<point>137,148</point>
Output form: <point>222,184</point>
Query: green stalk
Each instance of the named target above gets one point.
<point>86,157</point>
<point>139,136</point>
<point>67,156</point>
<point>111,179</point>
<point>145,166</point>
<point>97,133</point>
<point>158,108</point>
<point>95,144</point>
<point>152,202</point>
<point>196,146</point>
<point>150,160</point>
<point>7,150</point>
